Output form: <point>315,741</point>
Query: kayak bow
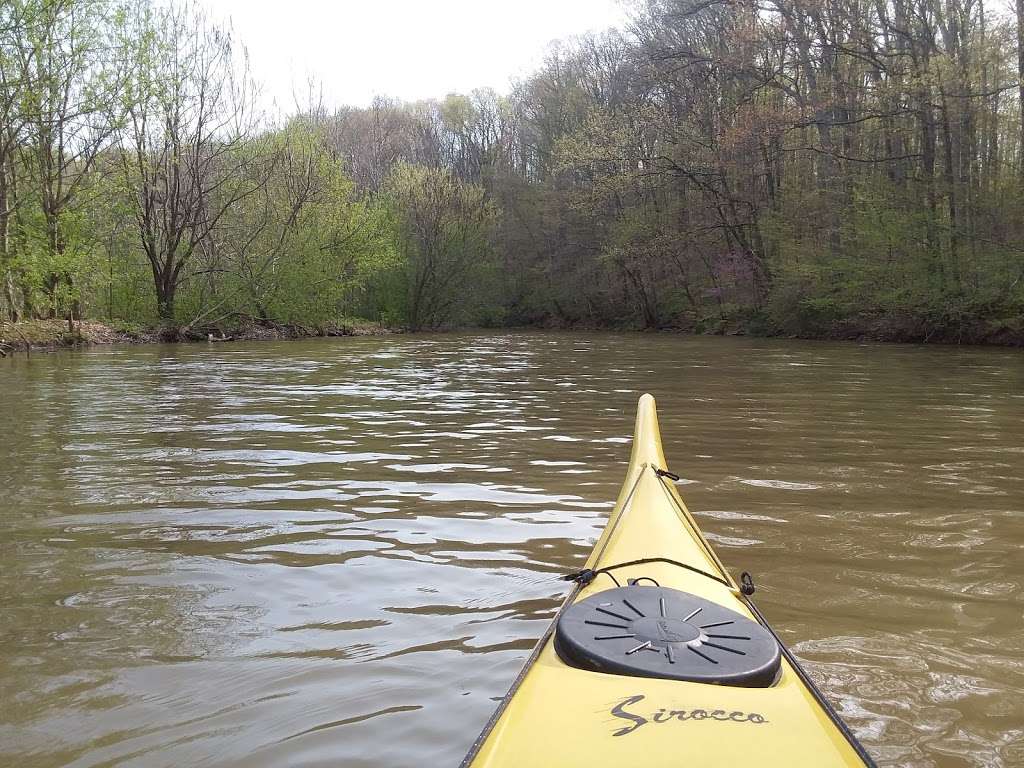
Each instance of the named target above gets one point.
<point>659,658</point>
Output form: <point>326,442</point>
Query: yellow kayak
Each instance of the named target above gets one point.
<point>659,658</point>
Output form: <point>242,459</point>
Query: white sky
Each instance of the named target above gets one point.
<point>356,49</point>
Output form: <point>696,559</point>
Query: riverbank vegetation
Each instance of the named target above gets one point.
<point>827,168</point>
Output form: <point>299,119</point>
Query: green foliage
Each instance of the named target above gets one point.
<point>304,248</point>
<point>613,187</point>
<point>442,229</point>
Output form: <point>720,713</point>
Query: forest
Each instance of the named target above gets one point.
<point>816,168</point>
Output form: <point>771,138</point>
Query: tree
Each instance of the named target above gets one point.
<point>70,84</point>
<point>442,229</point>
<point>12,92</point>
<point>299,247</point>
<point>190,151</point>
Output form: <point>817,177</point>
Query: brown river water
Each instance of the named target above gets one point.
<point>340,552</point>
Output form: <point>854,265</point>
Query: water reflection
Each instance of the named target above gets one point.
<point>341,551</point>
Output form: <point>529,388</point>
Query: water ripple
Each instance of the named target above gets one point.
<point>341,551</point>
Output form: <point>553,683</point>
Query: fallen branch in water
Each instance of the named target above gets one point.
<point>7,348</point>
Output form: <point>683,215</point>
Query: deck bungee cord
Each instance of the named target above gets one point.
<point>585,576</point>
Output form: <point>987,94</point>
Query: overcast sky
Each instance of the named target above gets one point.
<point>412,50</point>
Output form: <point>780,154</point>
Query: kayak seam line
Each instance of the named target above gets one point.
<point>813,689</point>
<point>488,728</point>
<point>627,505</point>
<point>696,532</point>
<point>798,669</point>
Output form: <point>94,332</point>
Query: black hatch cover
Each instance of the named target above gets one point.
<point>649,631</point>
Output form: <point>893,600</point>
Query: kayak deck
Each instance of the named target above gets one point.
<point>562,715</point>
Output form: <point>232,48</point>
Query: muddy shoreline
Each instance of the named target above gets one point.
<point>48,335</point>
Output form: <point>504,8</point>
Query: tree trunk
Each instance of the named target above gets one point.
<point>950,173</point>
<point>5,267</point>
<point>55,247</point>
<point>928,141</point>
<point>1020,77</point>
<point>165,290</point>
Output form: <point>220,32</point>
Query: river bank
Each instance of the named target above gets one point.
<point>46,335</point>
<point>890,328</point>
<point>885,329</point>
